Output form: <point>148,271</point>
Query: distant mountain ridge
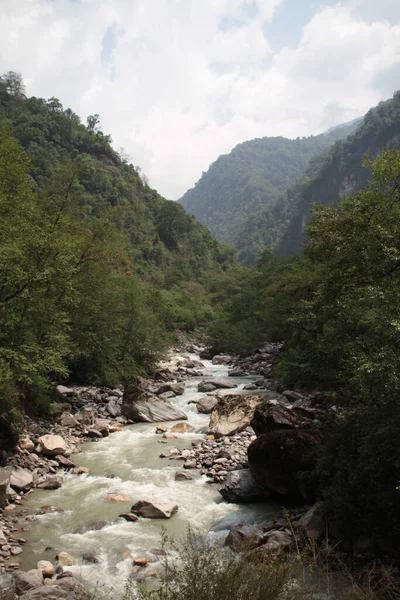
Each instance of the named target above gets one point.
<point>236,196</point>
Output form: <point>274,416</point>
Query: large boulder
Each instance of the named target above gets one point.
<point>240,487</point>
<point>27,580</point>
<point>313,523</point>
<point>21,479</point>
<point>149,408</point>
<point>222,359</point>
<point>182,428</point>
<point>154,509</point>
<point>5,475</point>
<point>269,416</point>
<point>206,404</point>
<point>51,445</point>
<point>113,409</point>
<point>66,588</point>
<point>218,384</point>
<point>232,414</point>
<point>68,420</point>
<point>280,459</point>
<point>243,537</point>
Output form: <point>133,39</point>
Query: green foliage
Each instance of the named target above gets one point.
<point>236,197</point>
<point>338,171</point>
<point>96,268</point>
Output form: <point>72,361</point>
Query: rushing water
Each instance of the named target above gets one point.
<point>131,456</point>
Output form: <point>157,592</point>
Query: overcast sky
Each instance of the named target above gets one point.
<point>179,82</point>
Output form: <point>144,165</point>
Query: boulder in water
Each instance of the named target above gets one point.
<point>182,428</point>
<point>241,487</point>
<point>154,509</point>
<point>206,404</point>
<point>21,479</point>
<point>232,414</point>
<point>149,408</point>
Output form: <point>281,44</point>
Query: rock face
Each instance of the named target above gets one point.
<point>154,509</point>
<point>232,414</point>
<point>278,459</point>
<point>206,404</point>
<point>240,487</point>
<point>269,416</point>
<point>51,445</point>
<point>21,479</point>
<point>149,408</point>
<point>5,474</point>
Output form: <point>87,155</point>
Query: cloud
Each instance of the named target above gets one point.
<point>178,82</point>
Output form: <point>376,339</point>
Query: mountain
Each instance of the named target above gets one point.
<point>231,197</point>
<point>338,171</point>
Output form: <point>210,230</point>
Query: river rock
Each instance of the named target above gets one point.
<point>5,475</point>
<point>269,416</point>
<point>161,429</point>
<point>94,433</point>
<point>90,526</point>
<point>65,391</point>
<point>276,542</point>
<point>66,560</point>
<point>46,568</point>
<point>237,373</point>
<point>51,445</point>
<point>129,517</point>
<point>66,588</point>
<point>222,359</point>
<point>7,587</point>
<point>113,409</point>
<point>21,479</point>
<point>220,385</point>
<point>149,408</point>
<point>25,443</point>
<point>206,387</point>
<point>68,420</point>
<point>90,559</point>
<point>176,388</point>
<point>244,537</point>
<point>182,428</point>
<point>64,462</point>
<point>29,580</point>
<point>154,509</point>
<point>278,459</point>
<point>206,404</point>
<point>50,483</point>
<point>241,487</point>
<point>313,523</point>
<point>118,498</point>
<point>182,476</point>
<point>232,414</point>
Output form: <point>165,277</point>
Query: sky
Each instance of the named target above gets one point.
<point>179,82</point>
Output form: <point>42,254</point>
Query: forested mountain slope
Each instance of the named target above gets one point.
<point>233,194</point>
<point>338,172</point>
<point>96,267</point>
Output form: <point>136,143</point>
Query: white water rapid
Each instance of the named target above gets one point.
<point>131,456</point>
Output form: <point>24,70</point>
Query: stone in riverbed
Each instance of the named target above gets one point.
<point>206,404</point>
<point>232,414</point>
<point>21,479</point>
<point>50,483</point>
<point>46,568</point>
<point>129,517</point>
<point>113,409</point>
<point>182,428</point>
<point>244,537</point>
<point>241,487</point>
<point>7,587</point>
<point>91,526</point>
<point>68,420</point>
<point>182,476</point>
<point>64,462</point>
<point>149,408</point>
<point>176,388</point>
<point>154,509</point>
<point>65,560</point>
<point>51,445</point>
<point>25,581</point>
<point>206,387</point>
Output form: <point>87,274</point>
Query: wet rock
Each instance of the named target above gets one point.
<point>241,487</point>
<point>222,359</point>
<point>15,550</point>
<point>46,568</point>
<point>80,471</point>
<point>51,445</point>
<point>118,498</point>
<point>170,436</point>
<point>206,404</point>
<point>154,509</point>
<point>176,388</point>
<point>66,588</point>
<point>149,408</point>
<point>89,559</point>
<point>102,425</point>
<point>232,414</point>
<point>161,429</point>
<point>206,387</point>
<point>50,483</point>
<point>182,428</point>
<point>21,479</point>
<point>95,434</point>
<point>91,526</point>
<point>5,475</point>
<point>220,385</point>
<point>313,523</point>
<point>182,476</point>
<point>278,459</point>
<point>129,517</point>
<point>65,560</point>
<point>141,562</point>
<point>244,537</point>
<point>237,373</point>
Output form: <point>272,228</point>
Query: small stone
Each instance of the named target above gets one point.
<point>141,562</point>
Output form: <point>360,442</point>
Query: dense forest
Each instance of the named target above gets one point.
<point>236,197</point>
<point>97,268</point>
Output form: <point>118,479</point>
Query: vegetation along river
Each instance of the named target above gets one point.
<point>128,463</point>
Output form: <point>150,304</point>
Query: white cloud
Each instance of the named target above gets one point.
<point>179,89</point>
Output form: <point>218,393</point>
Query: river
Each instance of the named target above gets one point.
<point>128,462</point>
